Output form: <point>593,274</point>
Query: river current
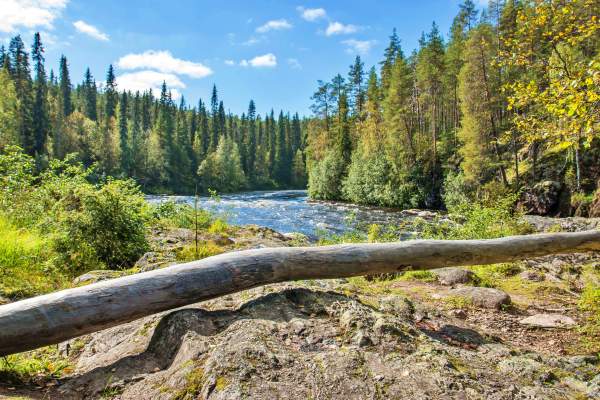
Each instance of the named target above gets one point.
<point>290,211</point>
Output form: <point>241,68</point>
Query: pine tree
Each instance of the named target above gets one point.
<point>356,78</point>
<point>41,123</point>
<point>390,54</point>
<point>478,95</point>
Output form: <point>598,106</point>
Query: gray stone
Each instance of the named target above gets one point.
<point>147,259</point>
<point>548,321</point>
<point>96,276</point>
<point>452,276</point>
<point>533,276</point>
<point>483,297</point>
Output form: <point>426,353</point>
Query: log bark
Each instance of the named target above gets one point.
<point>56,317</point>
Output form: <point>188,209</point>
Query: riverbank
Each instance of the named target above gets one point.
<point>432,332</point>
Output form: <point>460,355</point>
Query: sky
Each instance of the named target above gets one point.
<point>271,51</point>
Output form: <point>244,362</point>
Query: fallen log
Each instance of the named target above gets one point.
<point>59,316</point>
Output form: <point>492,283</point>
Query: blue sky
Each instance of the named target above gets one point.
<point>272,51</point>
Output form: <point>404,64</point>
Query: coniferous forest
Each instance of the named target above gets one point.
<point>166,147</point>
<point>511,99</point>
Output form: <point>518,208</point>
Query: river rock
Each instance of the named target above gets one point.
<point>482,297</point>
<point>452,276</point>
<point>96,276</point>
<point>548,321</point>
<point>4,300</point>
<point>533,276</point>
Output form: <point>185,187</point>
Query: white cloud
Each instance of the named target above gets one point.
<point>358,46</point>
<point>274,25</point>
<point>268,60</point>
<point>312,14</point>
<point>29,13</point>
<point>337,28</point>
<point>294,63</point>
<point>251,41</point>
<point>90,30</point>
<point>229,62</point>
<point>144,80</point>
<point>163,61</point>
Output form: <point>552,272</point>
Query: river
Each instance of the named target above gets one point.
<point>290,211</point>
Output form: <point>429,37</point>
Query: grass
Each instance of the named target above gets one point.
<point>422,276</point>
<point>46,363</point>
<point>26,263</point>
<point>194,382</point>
<point>208,249</point>
<point>589,303</point>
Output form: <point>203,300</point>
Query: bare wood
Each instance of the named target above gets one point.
<point>63,315</point>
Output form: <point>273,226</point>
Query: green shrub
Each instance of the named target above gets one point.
<point>89,225</point>
<point>218,226</point>
<point>108,223</point>
<point>325,176</point>
<point>455,190</point>
<point>174,215</point>
<point>188,253</point>
<point>477,220</point>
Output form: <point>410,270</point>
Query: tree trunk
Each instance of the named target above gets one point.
<point>56,317</point>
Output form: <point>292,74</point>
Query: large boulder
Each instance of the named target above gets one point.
<point>548,321</point>
<point>451,276</point>
<point>482,297</point>
<point>546,198</point>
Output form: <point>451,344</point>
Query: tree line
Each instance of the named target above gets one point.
<point>166,147</point>
<point>510,99</point>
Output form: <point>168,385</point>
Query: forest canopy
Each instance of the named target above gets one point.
<point>165,147</point>
<point>510,99</point>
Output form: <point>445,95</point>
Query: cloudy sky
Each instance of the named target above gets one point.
<point>273,51</point>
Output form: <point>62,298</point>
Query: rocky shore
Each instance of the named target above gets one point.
<point>510,331</point>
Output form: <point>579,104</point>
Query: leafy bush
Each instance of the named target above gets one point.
<point>218,226</point>
<point>108,223</point>
<point>479,221</point>
<point>172,214</point>
<point>89,225</point>
<point>325,176</point>
<point>371,180</point>
<point>455,190</point>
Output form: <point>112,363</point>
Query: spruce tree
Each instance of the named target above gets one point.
<point>110,93</point>
<point>65,88</point>
<point>41,123</point>
<point>18,67</point>
<point>89,96</point>
<point>215,120</point>
<point>251,141</point>
<point>125,148</point>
